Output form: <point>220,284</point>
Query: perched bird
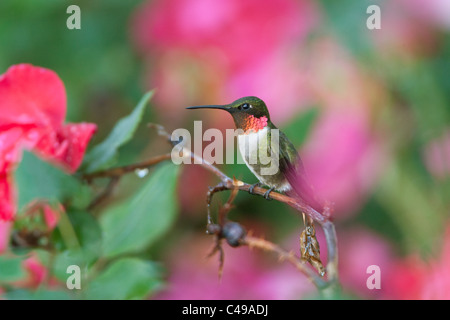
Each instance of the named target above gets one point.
<point>256,144</point>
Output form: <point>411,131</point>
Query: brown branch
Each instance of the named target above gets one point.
<point>114,174</point>
<point>188,154</point>
<point>120,171</point>
<point>284,255</point>
<point>217,229</point>
<point>209,195</point>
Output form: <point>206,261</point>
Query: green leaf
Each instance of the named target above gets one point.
<point>135,224</point>
<point>105,154</point>
<point>128,278</point>
<point>68,258</point>
<point>11,269</point>
<point>37,179</point>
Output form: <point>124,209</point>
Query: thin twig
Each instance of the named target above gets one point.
<point>223,211</point>
<point>212,190</point>
<point>265,245</point>
<point>114,174</point>
<point>120,171</point>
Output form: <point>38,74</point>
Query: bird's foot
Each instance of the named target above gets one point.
<point>267,194</point>
<point>252,187</point>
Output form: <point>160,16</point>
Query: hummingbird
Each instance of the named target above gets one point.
<point>250,114</point>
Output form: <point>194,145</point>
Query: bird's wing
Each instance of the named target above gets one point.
<point>292,168</point>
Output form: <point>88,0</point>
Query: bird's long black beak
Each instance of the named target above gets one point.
<point>224,107</point>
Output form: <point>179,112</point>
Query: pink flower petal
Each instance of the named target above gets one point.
<point>7,198</point>
<point>52,215</point>
<point>66,147</point>
<point>5,229</point>
<point>37,272</point>
<point>31,96</point>
<point>32,111</point>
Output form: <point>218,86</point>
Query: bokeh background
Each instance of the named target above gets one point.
<point>369,111</point>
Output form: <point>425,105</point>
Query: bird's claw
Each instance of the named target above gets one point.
<point>267,194</point>
<point>252,187</point>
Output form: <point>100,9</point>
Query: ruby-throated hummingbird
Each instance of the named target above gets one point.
<point>250,114</point>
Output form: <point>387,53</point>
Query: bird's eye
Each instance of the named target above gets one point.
<point>245,106</point>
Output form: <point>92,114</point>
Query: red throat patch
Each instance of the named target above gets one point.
<point>254,124</point>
